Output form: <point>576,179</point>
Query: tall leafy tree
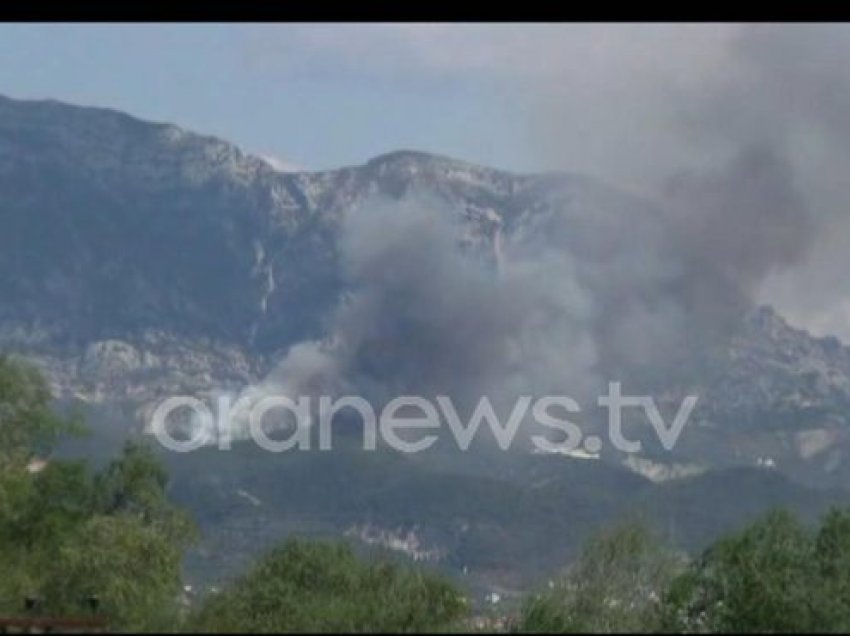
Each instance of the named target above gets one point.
<point>132,568</point>
<point>66,534</point>
<point>135,485</point>
<point>763,579</point>
<point>832,550</point>
<point>615,586</point>
<point>28,424</point>
<point>318,586</point>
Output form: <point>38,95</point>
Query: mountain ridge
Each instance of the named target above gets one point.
<point>139,261</point>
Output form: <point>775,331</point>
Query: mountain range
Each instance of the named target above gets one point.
<point>139,260</point>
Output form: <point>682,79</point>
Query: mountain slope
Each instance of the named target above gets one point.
<point>138,260</point>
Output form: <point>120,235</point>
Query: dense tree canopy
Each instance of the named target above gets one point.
<point>614,586</point>
<point>318,586</point>
<point>776,576</point>
<point>28,425</point>
<point>68,533</point>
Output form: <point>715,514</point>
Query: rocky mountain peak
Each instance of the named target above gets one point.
<point>137,258</point>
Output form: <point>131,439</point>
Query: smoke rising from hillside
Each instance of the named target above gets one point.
<point>584,294</point>
<point>595,288</point>
<point>425,317</point>
<point>740,131</point>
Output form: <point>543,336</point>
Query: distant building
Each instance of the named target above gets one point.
<point>36,465</point>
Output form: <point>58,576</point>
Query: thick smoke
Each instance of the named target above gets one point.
<point>742,137</point>
<point>596,288</point>
<point>793,89</point>
<point>603,286</point>
<point>732,227</point>
<point>427,317</point>
<point>743,221</point>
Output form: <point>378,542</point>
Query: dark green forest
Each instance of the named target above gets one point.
<point>70,533</point>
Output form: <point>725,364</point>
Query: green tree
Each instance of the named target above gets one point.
<point>66,534</point>
<point>615,586</point>
<point>132,568</point>
<point>31,506</point>
<point>28,425</point>
<point>832,550</point>
<point>136,485</point>
<point>126,548</point>
<point>763,579</point>
<point>318,586</point>
<point>56,500</point>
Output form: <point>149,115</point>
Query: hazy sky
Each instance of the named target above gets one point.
<point>633,104</point>
<point>320,96</point>
<point>325,95</point>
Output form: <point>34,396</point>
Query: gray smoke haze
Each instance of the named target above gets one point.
<point>426,317</point>
<point>741,131</point>
<point>787,93</point>
<point>734,226</point>
<point>741,204</point>
<point>601,288</point>
<point>800,99</point>
<point>744,220</point>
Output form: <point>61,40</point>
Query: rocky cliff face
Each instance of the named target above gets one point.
<point>138,259</point>
<point>131,250</point>
<point>776,398</point>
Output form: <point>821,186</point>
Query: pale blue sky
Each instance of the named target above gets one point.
<point>304,94</point>
<point>581,97</point>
